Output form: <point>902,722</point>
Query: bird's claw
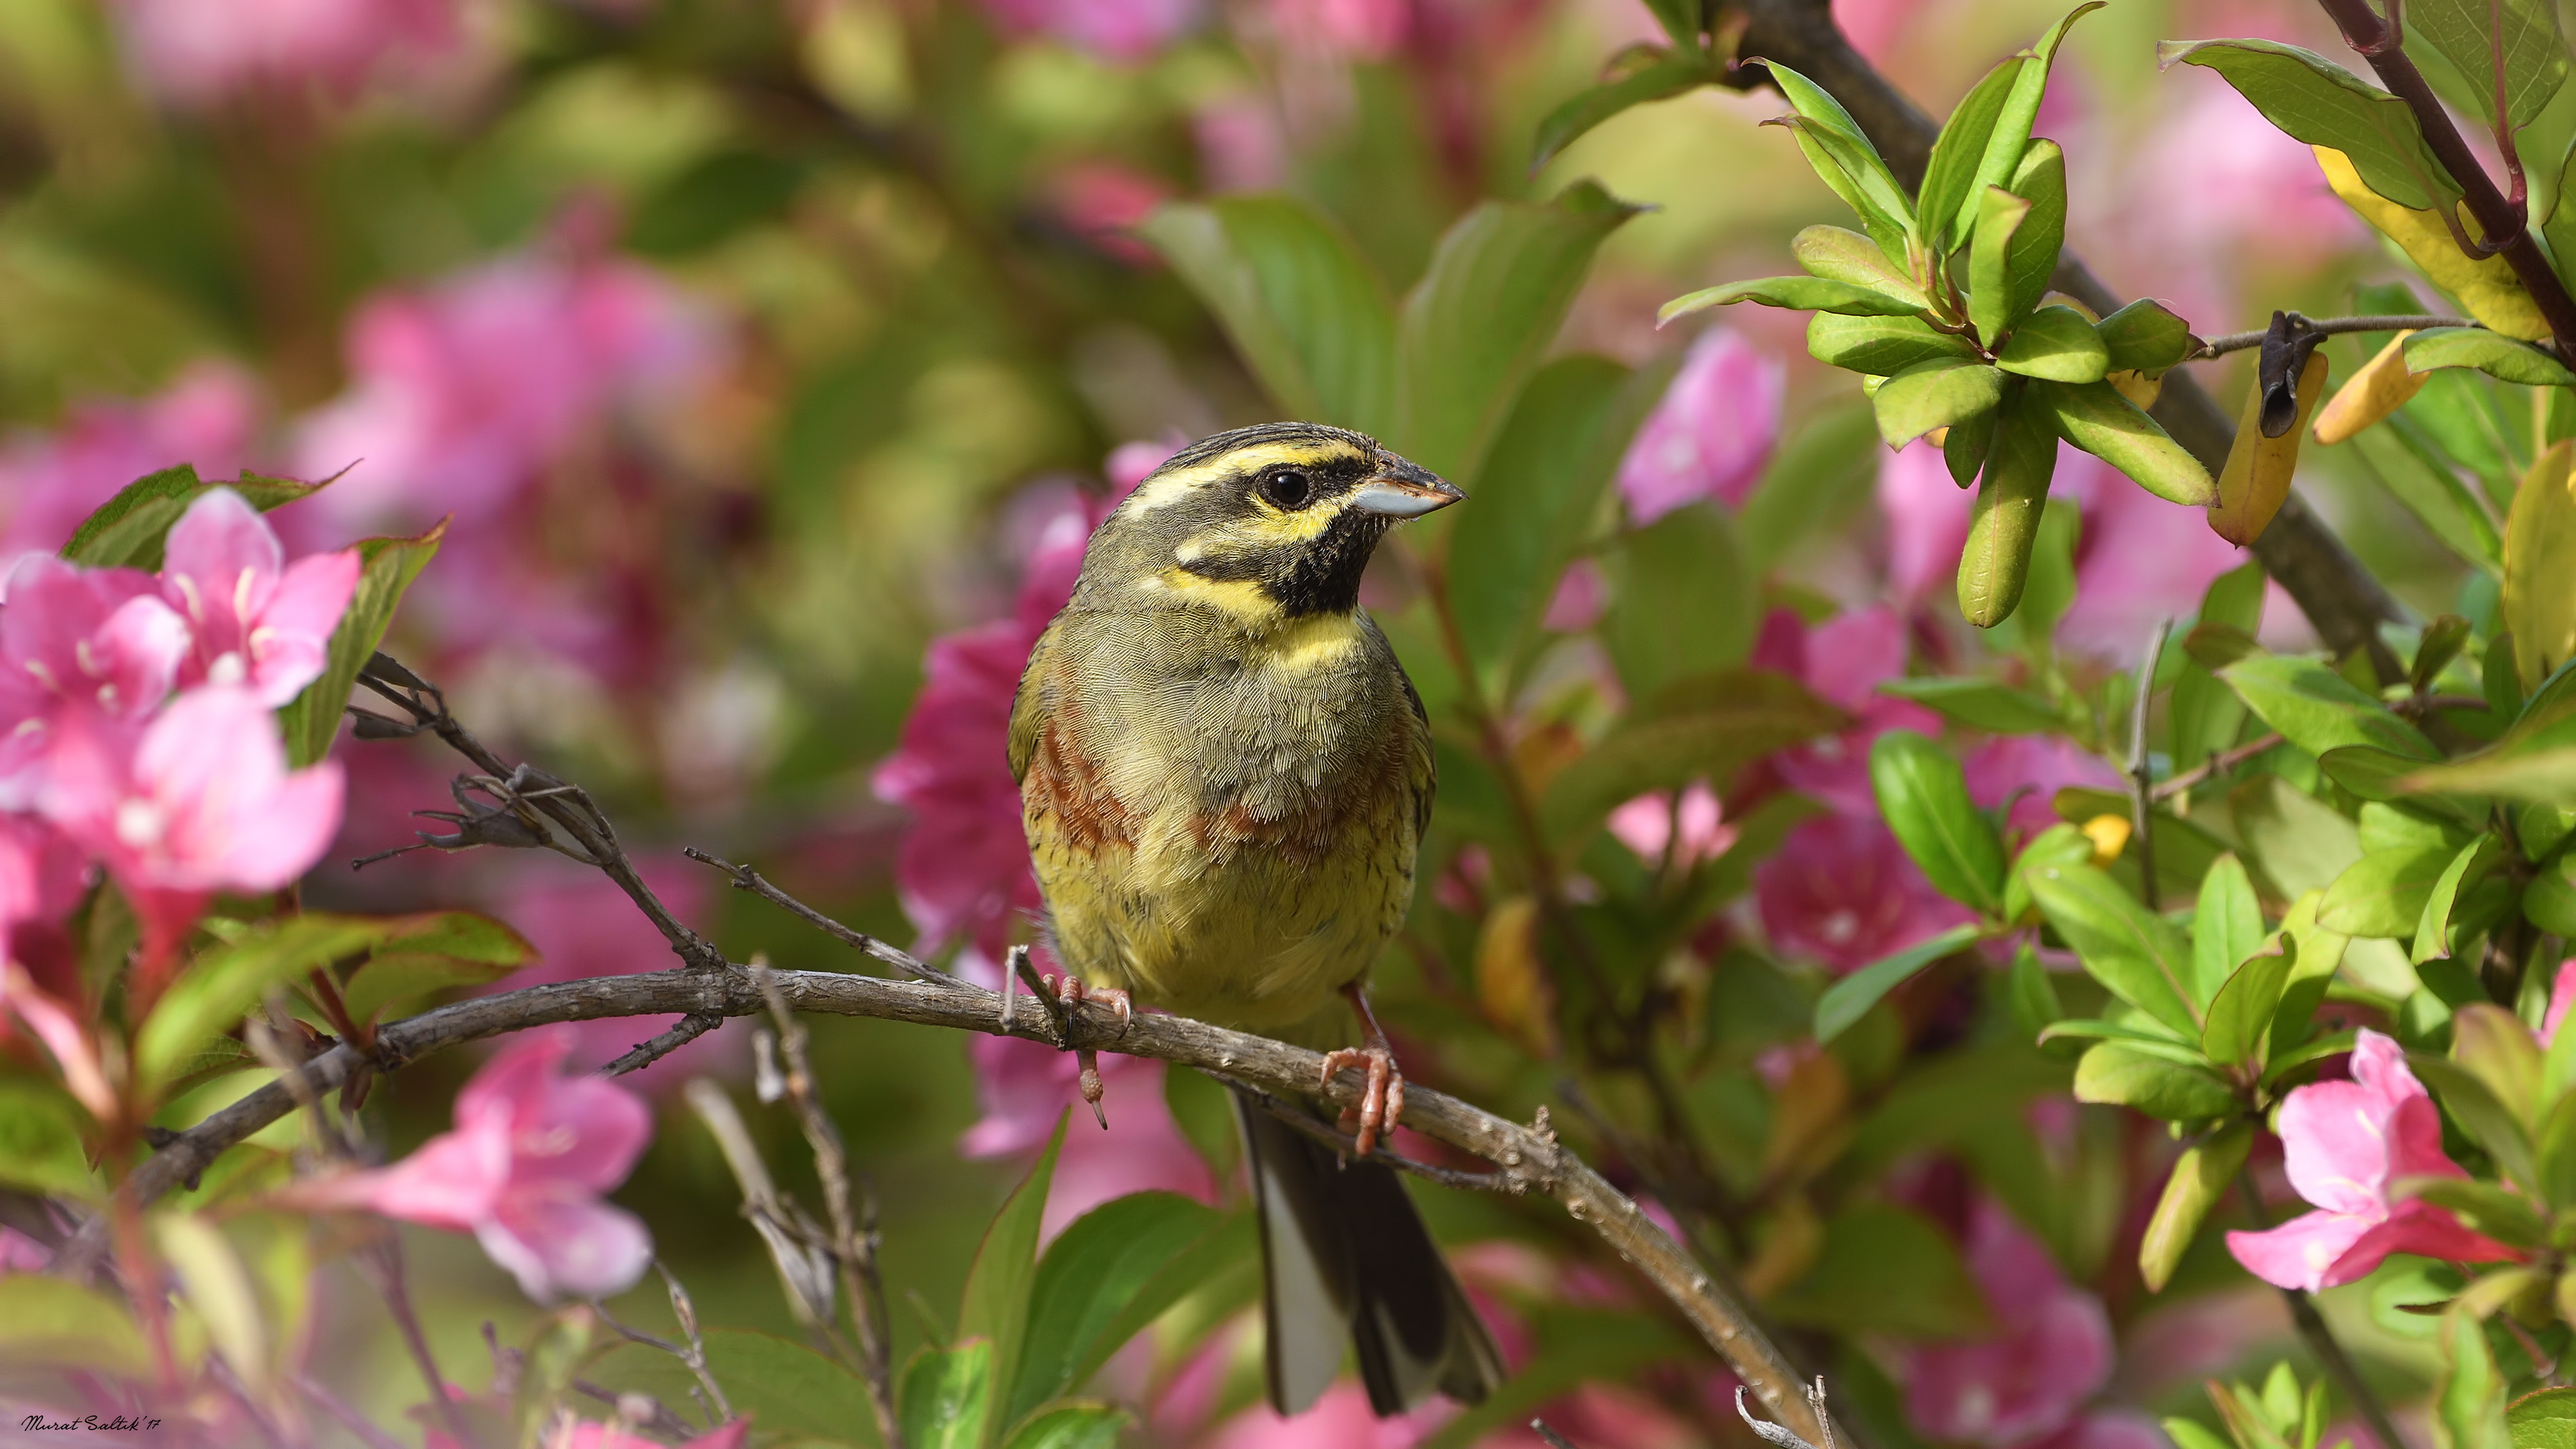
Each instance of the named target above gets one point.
<point>1381,1104</point>
<point>1070,992</point>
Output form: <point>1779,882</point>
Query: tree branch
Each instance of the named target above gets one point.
<point>2324,327</point>
<point>1527,1158</point>
<point>2339,596</point>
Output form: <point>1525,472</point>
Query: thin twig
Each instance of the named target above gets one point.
<point>2326,326</point>
<point>2141,784</point>
<point>798,1250</point>
<point>694,1354</point>
<point>645,1053</point>
<point>2217,764</point>
<point>348,1417</point>
<point>747,879</point>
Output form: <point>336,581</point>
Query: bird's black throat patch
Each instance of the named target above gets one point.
<point>1318,576</point>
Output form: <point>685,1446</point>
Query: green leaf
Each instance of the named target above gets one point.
<point>2488,1121</point>
<point>1966,446</point>
<point>2544,1419</point>
<point>50,1322</point>
<point>2050,588</point>
<point>1112,1272</point>
<point>1879,346</point>
<point>1684,21</point>
<point>2009,146</point>
<point>2539,554</point>
<point>127,531</point>
<point>1884,1269</point>
<point>1924,796</point>
<point>219,1289</point>
<point>388,566</point>
<point>2031,996</point>
<point>2030,260</point>
<point>1707,726</point>
<point>996,1307</point>
<point>946,1399</point>
<point>2433,926</point>
<point>2123,1074</point>
<point>2469,1392</point>
<point>388,980</point>
<point>1818,481</point>
<point>1981,704</point>
<point>1545,480</point>
<point>2315,953</point>
<point>41,1144</point>
<point>2241,1010</point>
<point>1945,204</point>
<point>2055,343</point>
<point>2382,895</point>
<point>2226,927</point>
<point>2297,842</point>
<point>2492,353</point>
<point>2493,1045</point>
<point>1484,315</point>
<point>2133,951</point>
<point>1681,602</point>
<point>1073,1426</point>
<point>2323,104</point>
<point>2401,458</point>
<point>213,992</point>
<point>2317,709</point>
<point>2549,901</point>
<point>1935,394</point>
<point>1990,290</point>
<point>2146,337</point>
<point>1302,309</point>
<point>2482,1206</point>
<point>2205,716</point>
<point>2058,845</point>
<point>1846,161</point>
<point>1666,75</point>
<point>1803,294</point>
<point>2200,1179</point>
<point>1838,255</point>
<point>2510,48</point>
<point>1848,1000</point>
<point>785,1387</point>
<point>2096,418</point>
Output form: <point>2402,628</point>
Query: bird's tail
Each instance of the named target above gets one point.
<point>1344,1256</point>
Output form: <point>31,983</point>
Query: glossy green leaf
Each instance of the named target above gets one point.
<point>1681,601</point>
<point>2493,1045</point>
<point>1935,394</point>
<point>2319,710</point>
<point>2008,145</point>
<point>2324,104</point>
<point>2096,418</point>
<point>1885,1268</point>
<point>2492,353</point>
<point>2031,995</point>
<point>2401,458</point>
<point>1662,77</point>
<point>1822,478</point>
<point>1840,255</point>
<point>388,980</point>
<point>2202,1176</point>
<point>2055,343</point>
<point>1966,446</point>
<point>2549,901</point>
<point>212,993</point>
<point>2382,895</point>
<point>2204,715</point>
<point>2146,337</point>
<point>2538,608</point>
<point>1708,726</point>
<point>1845,159</point>
<point>785,1387</point>
<point>2240,1012</point>
<point>2488,1121</point>
<point>2030,259</point>
<point>1483,316</point>
<point>1073,1426</point>
<point>2226,926</point>
<point>2138,954</point>
<point>1982,704</point>
<point>1113,1271</point>
<point>2059,845</point>
<point>998,1286</point>
<point>1990,293</point>
<point>312,719</point>
<point>1880,345</point>
<point>1946,204</point>
<point>1849,999</point>
<point>2483,1207</point>
<point>2543,1419</point>
<point>2433,925</point>
<point>1803,294</point>
<point>2507,46</point>
<point>2469,1393</point>
<point>946,1398</point>
<point>219,1289</point>
<point>1923,795</point>
<point>2121,1074</point>
<point>1303,310</point>
<point>127,530</point>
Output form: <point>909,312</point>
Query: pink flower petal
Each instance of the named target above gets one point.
<point>1711,434</point>
<point>2562,994</point>
<point>566,1246</point>
<point>2298,1253</point>
<point>2415,1227</point>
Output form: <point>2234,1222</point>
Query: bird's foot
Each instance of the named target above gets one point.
<point>1383,1101</point>
<point>1070,992</point>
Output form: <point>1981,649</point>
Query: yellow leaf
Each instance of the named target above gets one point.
<point>2257,475</point>
<point>2110,836</point>
<point>2381,387</point>
<point>2486,286</point>
<point>2539,561</point>
<point>1788,1247</point>
<point>1511,982</point>
<point>2140,389</point>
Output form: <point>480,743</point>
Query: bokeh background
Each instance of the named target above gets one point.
<point>757,348</point>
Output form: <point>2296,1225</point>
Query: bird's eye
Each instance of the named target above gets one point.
<point>1288,488</point>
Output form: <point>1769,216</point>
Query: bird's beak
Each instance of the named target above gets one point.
<point>1404,490</point>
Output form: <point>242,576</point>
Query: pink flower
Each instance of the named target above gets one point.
<point>532,1151</point>
<point>462,394</point>
<point>1927,522</point>
<point>584,1434</point>
<point>1579,599</point>
<point>1128,463</point>
<point>1645,825</point>
<point>2562,995</point>
<point>1341,1419</point>
<point>2050,1352</point>
<point>22,1254</point>
<point>74,641</point>
<point>198,801</point>
<point>74,1050</point>
<point>1355,30</point>
<point>1842,661</point>
<point>2345,1144</point>
<point>1117,30</point>
<point>584,926</point>
<point>1103,202</point>
<point>50,482</point>
<point>1712,432</point>
<point>258,620</point>
<point>193,52</point>
<point>1843,893</point>
<point>1240,145</point>
<point>2029,770</point>
<point>1025,1087</point>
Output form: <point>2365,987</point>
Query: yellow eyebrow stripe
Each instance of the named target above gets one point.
<point>1172,487</point>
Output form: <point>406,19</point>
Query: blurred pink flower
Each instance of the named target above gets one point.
<point>1712,432</point>
<point>2137,559</point>
<point>1240,145</point>
<point>2562,995</point>
<point>1842,893</point>
<point>1115,30</point>
<point>1102,202</point>
<point>1927,522</point>
<point>1578,601</point>
<point>193,52</point>
<point>75,1051</point>
<point>259,621</point>
<point>1875,27</point>
<point>2344,1144</point>
<point>42,877</point>
<point>22,1254</point>
<point>198,801</point>
<point>49,482</point>
<point>1026,1086</point>
<point>1354,30</point>
<point>523,1170</point>
<point>1645,825</point>
<point>1842,661</point>
<point>1128,463</point>
<point>95,642</point>
<point>463,393</point>
<point>584,926</point>
<point>2050,1352</point>
<point>2029,770</point>
<point>585,1434</point>
<point>1339,1420</point>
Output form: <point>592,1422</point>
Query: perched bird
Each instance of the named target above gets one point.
<point>1225,777</point>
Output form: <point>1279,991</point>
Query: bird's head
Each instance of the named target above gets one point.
<point>1271,523</point>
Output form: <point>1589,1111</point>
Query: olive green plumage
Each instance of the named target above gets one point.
<point>1225,777</point>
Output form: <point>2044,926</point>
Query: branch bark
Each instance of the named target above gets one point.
<point>2339,596</point>
<point>1529,1158</point>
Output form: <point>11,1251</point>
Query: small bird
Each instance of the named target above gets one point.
<point>1225,776</point>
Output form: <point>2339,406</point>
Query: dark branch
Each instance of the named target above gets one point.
<point>2325,327</point>
<point>645,1053</point>
<point>747,879</point>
